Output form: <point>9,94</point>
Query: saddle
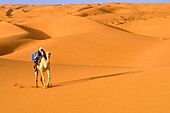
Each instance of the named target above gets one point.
<point>37,63</point>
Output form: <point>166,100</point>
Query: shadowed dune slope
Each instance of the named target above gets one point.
<point>12,37</point>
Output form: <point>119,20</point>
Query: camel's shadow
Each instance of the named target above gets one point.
<point>90,78</point>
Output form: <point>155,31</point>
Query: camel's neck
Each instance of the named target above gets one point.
<point>47,60</point>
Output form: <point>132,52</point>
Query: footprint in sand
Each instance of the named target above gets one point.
<point>18,85</point>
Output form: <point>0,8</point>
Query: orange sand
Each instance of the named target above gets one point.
<point>106,58</point>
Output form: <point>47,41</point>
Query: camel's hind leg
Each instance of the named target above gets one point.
<point>43,79</point>
<point>48,73</point>
<point>36,79</point>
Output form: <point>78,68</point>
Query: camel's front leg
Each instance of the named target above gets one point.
<point>43,79</point>
<point>48,73</point>
<point>36,79</point>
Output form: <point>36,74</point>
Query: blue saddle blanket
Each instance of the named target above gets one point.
<point>35,56</point>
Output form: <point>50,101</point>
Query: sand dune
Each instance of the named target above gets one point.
<point>13,37</point>
<point>111,57</point>
<point>157,27</point>
<point>101,10</point>
<point>99,44</point>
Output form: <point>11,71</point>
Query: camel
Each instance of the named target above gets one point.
<point>42,67</point>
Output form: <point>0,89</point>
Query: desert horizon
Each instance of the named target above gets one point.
<point>105,57</point>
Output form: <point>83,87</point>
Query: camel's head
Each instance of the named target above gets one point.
<point>48,54</point>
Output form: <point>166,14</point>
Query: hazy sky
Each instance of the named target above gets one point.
<point>75,1</point>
